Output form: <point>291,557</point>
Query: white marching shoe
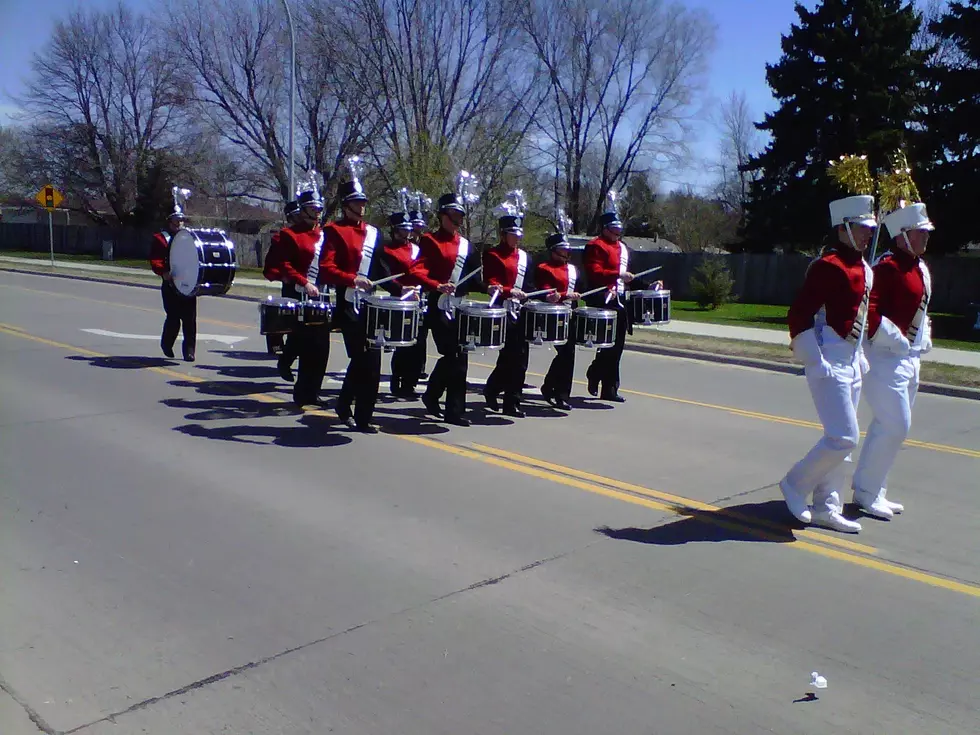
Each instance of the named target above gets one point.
<point>795,502</point>
<point>834,521</point>
<point>873,504</point>
<point>895,508</point>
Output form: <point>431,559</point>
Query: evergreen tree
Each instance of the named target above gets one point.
<point>846,84</point>
<point>948,144</point>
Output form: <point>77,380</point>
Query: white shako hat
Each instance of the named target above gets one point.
<point>905,219</point>
<point>853,210</point>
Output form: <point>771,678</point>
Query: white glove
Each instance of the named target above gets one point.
<point>807,351</point>
<point>889,337</point>
<point>863,362</point>
<point>926,344</point>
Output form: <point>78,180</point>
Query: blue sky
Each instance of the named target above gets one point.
<point>748,37</point>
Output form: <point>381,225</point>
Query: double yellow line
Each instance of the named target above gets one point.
<point>817,543</point>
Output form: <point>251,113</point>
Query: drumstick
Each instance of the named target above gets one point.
<point>597,290</point>
<point>468,276</point>
<point>385,280</point>
<point>542,291</point>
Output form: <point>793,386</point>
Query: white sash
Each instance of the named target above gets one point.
<point>314,270</point>
<point>166,236</point>
<point>367,251</point>
<point>461,255</point>
<point>415,251</point>
<point>521,269</point>
<point>861,318</point>
<point>915,328</point>
<point>624,259</point>
<point>572,277</point>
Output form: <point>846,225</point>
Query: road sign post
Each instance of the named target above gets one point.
<point>50,198</point>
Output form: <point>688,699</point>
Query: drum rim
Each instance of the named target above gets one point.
<point>543,307</point>
<point>594,311</point>
<point>651,292</point>
<point>479,308</point>
<point>385,301</point>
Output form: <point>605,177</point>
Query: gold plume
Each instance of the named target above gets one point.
<point>896,187</point>
<point>853,175</point>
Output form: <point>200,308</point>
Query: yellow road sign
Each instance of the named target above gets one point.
<point>49,197</point>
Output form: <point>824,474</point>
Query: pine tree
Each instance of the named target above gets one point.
<point>846,84</point>
<point>948,143</point>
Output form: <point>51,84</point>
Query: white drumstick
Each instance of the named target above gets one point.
<point>541,292</point>
<point>385,280</point>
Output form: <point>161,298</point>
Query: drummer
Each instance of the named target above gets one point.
<point>444,258</point>
<point>505,274</point>
<point>271,271</point>
<point>181,310</point>
<point>559,274</point>
<point>416,354</point>
<point>299,266</point>
<point>400,253</point>
<point>348,262</point>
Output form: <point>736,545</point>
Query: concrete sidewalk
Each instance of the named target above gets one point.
<point>963,358</point>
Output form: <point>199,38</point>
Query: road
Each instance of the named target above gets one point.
<point>183,551</point>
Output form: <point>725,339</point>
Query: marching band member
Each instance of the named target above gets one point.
<point>348,256</point>
<point>826,324</point>
<point>558,273</point>
<point>301,245</point>
<point>444,257</point>
<point>270,269</point>
<point>899,332</point>
<point>606,263</point>
<point>181,310</point>
<point>417,354</point>
<point>505,274</point>
<point>400,253</point>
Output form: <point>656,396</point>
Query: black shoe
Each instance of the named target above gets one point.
<point>492,403</point>
<point>457,421</point>
<point>562,404</point>
<point>285,370</point>
<point>344,413</point>
<point>514,410</point>
<point>614,397</point>
<point>366,428</point>
<point>593,387</point>
<point>431,404</point>
<point>168,351</point>
<point>189,357</point>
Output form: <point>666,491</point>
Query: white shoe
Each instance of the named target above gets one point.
<point>795,502</point>
<point>835,521</point>
<point>893,507</point>
<point>873,505</point>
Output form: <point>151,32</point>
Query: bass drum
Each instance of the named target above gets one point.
<point>202,262</point>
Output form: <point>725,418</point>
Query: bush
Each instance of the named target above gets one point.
<point>711,284</point>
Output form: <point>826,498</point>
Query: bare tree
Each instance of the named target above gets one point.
<point>695,223</point>
<point>106,90</point>
<point>621,76</point>
<point>740,140</point>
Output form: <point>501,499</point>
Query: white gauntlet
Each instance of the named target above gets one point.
<point>807,351</point>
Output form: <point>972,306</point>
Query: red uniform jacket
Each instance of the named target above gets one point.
<point>297,250</point>
<point>835,281</point>
<point>601,262</point>
<point>399,257</point>
<point>273,259</point>
<point>500,268</point>
<point>437,257</point>
<point>897,292</point>
<point>159,253</point>
<point>343,244</point>
<point>549,275</point>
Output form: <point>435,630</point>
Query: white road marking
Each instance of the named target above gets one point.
<point>224,339</point>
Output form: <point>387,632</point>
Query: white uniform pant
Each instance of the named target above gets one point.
<point>892,384</point>
<point>822,470</point>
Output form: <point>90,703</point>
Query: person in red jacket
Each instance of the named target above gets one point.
<point>400,254</point>
<point>606,263</point>
<point>898,333</point>
<point>826,326</point>
<point>558,273</point>
<point>507,278</point>
<point>444,258</point>
<point>348,259</point>
<point>299,266</point>
<point>181,310</point>
<point>270,269</point>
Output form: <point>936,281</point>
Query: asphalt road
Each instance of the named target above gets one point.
<point>182,551</point>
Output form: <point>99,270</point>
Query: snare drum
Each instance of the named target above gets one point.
<point>595,328</point>
<point>391,321</point>
<point>481,326</point>
<point>650,307</point>
<point>314,312</point>
<point>546,323</point>
<point>277,315</point>
<point>202,262</point>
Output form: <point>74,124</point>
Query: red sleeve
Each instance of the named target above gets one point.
<point>418,274</point>
<point>882,294</point>
<point>289,255</point>
<point>494,272</point>
<point>273,259</point>
<point>595,266</point>
<point>822,279</point>
<point>158,254</point>
<point>335,252</point>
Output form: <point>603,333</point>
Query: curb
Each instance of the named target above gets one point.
<point>953,391</point>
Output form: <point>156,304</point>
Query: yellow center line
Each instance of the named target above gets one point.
<point>744,413</point>
<point>565,479</point>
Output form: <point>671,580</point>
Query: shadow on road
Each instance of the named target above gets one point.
<point>225,410</point>
<point>125,362</point>
<point>246,355</point>
<point>232,388</point>
<point>310,434</point>
<point>243,372</point>
<point>767,522</point>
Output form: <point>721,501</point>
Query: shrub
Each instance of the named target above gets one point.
<point>711,284</point>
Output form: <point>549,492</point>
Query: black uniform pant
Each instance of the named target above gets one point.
<point>181,312</point>
<point>604,369</point>
<point>449,374</point>
<point>363,373</point>
<point>509,373</point>
<point>408,363</point>
<point>284,344</point>
<point>558,381</point>
<point>312,346</point>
